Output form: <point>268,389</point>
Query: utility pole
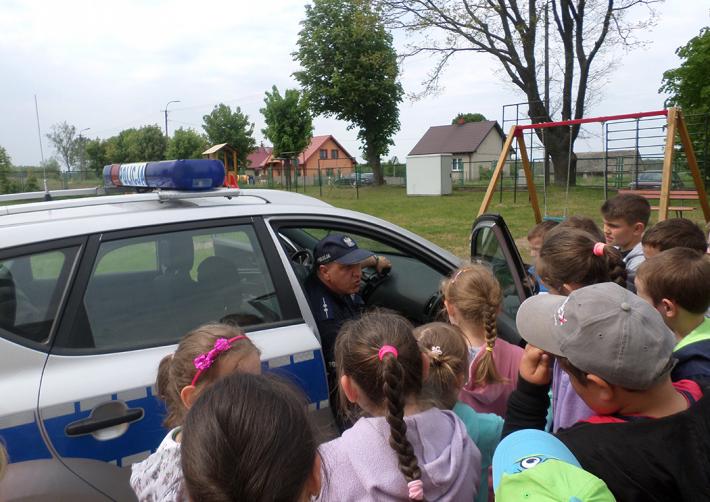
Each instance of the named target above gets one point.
<point>166,115</point>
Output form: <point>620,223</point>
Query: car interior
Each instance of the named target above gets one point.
<point>411,287</point>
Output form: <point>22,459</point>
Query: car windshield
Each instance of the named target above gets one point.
<point>650,177</point>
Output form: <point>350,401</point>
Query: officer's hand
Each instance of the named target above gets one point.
<point>383,265</point>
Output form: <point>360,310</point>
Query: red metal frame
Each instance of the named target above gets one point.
<point>543,125</point>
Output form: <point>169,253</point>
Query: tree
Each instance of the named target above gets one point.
<point>463,118</point>
<point>350,71</point>
<point>146,144</point>
<point>65,141</point>
<point>512,31</point>
<point>223,125</point>
<point>5,169</point>
<point>689,87</point>
<point>131,145</point>
<point>96,155</point>
<point>186,144</point>
<point>289,125</point>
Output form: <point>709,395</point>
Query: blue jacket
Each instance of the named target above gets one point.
<point>693,362</point>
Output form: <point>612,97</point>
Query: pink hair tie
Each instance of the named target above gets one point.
<point>204,361</point>
<point>387,349</point>
<point>416,489</point>
<point>599,249</point>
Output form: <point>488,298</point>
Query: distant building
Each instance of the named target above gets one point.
<point>473,146</point>
<point>592,163</point>
<point>326,154</point>
<point>323,152</point>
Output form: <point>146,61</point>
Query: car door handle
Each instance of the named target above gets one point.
<point>104,416</point>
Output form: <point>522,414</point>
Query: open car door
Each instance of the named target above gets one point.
<point>492,245</point>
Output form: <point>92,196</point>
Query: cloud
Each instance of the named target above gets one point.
<point>114,65</point>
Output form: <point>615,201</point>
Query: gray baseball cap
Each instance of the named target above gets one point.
<point>602,329</point>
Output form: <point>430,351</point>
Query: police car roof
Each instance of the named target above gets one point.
<point>43,221</point>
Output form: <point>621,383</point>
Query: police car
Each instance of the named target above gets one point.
<point>95,291</point>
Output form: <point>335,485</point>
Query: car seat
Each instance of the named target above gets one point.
<point>220,289</point>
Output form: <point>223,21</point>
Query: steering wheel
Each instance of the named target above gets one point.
<point>303,257</point>
<point>371,281</point>
<point>434,308</point>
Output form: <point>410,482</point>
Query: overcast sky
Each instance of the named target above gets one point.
<point>109,66</point>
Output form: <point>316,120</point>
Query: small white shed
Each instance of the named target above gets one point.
<point>429,174</point>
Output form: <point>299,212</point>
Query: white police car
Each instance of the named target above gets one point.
<point>95,291</point>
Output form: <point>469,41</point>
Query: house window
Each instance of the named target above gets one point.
<point>323,154</point>
<point>329,172</point>
<point>457,164</point>
<point>334,154</point>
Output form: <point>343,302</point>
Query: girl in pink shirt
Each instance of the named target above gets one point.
<point>472,297</point>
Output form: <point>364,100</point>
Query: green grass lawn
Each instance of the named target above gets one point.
<point>447,220</point>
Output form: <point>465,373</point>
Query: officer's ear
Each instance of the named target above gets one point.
<point>324,269</point>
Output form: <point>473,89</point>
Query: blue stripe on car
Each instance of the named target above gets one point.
<point>24,442</point>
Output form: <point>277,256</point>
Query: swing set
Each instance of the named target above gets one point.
<point>675,125</point>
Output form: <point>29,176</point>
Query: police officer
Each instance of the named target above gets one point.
<point>333,291</point>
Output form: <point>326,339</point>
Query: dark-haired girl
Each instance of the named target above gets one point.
<point>571,258</point>
<point>248,438</point>
<point>203,356</point>
<point>402,449</point>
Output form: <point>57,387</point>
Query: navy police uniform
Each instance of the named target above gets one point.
<point>331,309</point>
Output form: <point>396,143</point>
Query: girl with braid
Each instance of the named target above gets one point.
<point>472,297</point>
<point>570,259</point>
<point>446,348</point>
<point>401,449</point>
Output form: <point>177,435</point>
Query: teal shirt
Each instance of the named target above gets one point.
<point>484,429</point>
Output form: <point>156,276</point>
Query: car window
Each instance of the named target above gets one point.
<point>411,287</point>
<point>30,289</point>
<point>151,290</point>
<point>374,245</point>
<point>490,253</point>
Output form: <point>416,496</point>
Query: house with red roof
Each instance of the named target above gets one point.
<point>326,154</point>
<point>323,152</point>
<point>473,146</point>
<point>260,160</point>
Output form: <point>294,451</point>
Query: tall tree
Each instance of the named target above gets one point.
<point>223,125</point>
<point>350,71</point>
<point>463,118</point>
<point>66,142</point>
<point>689,87</point>
<point>512,31</point>
<point>186,144</point>
<point>289,125</point>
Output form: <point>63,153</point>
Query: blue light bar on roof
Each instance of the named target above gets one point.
<point>193,174</point>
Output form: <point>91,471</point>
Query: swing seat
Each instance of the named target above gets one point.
<point>558,219</point>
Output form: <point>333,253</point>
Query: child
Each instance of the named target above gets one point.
<point>534,465</point>
<point>677,283</point>
<point>535,237</point>
<point>675,232</point>
<point>404,449</point>
<point>248,437</point>
<point>472,298</point>
<point>446,348</point>
<point>584,223</point>
<point>570,259</point>
<point>204,355</point>
<point>625,219</point>
<point>619,355</point>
